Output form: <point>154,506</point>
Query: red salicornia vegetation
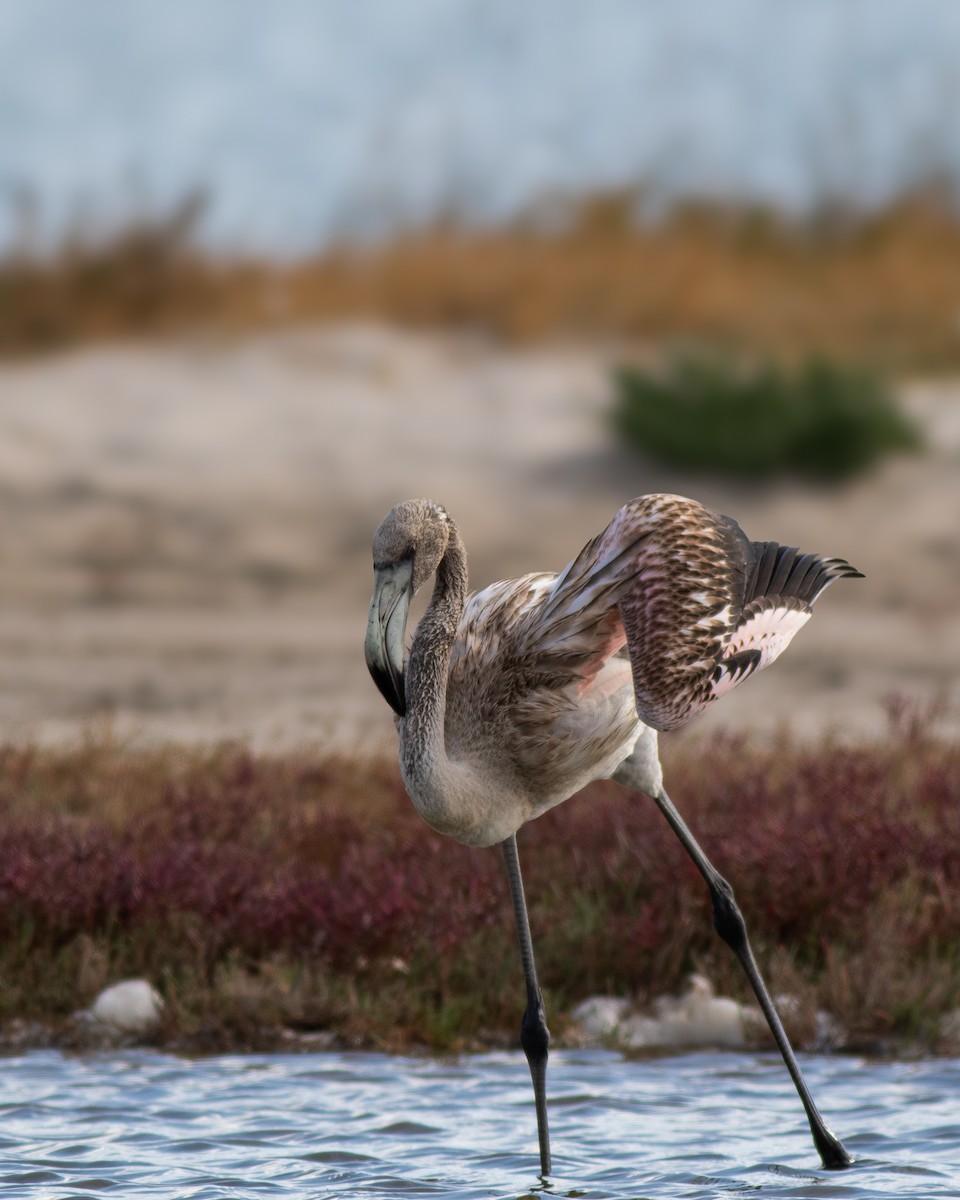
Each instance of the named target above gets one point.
<point>262,893</point>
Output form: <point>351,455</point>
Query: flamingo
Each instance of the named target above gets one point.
<point>513,700</point>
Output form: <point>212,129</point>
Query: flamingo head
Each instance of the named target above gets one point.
<point>407,549</point>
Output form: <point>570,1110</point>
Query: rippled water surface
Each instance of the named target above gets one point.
<point>365,1125</point>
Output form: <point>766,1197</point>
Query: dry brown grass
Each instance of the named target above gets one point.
<point>885,288</point>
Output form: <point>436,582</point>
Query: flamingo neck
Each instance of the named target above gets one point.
<point>423,755</point>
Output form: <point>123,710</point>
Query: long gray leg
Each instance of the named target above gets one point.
<point>729,924</point>
<point>534,1034</point>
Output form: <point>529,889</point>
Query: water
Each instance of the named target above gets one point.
<point>363,1125</point>
<point>308,118</point>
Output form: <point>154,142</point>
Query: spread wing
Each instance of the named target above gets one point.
<point>710,607</point>
<point>698,605</point>
<point>664,578</point>
<point>778,599</point>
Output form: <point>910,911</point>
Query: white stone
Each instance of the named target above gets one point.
<point>828,1033</point>
<point>600,1016</point>
<point>950,1026</point>
<point>132,1006</point>
<point>637,1033</point>
<point>697,1018</point>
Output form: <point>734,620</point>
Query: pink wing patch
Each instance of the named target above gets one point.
<point>760,637</point>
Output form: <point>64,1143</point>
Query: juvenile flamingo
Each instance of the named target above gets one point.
<point>513,700</point>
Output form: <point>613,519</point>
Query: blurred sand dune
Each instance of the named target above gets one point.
<point>185,546</point>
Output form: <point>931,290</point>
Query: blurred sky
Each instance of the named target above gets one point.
<point>306,119</point>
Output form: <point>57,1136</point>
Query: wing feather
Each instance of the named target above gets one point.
<point>709,607</point>
<point>791,583</point>
<point>698,606</point>
<point>682,605</point>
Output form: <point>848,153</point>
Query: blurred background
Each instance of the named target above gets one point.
<point>267,270</point>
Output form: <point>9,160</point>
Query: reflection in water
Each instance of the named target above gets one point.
<point>343,1126</point>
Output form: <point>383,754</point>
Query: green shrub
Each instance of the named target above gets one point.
<point>820,419</point>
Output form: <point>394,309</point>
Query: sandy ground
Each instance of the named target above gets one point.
<point>185,546</point>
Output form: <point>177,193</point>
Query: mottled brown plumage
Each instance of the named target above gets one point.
<point>537,685</point>
<point>515,699</point>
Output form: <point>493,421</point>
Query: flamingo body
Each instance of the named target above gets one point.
<point>512,700</point>
<point>553,681</point>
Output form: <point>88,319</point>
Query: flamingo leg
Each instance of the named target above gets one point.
<point>729,924</point>
<point>534,1035</point>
